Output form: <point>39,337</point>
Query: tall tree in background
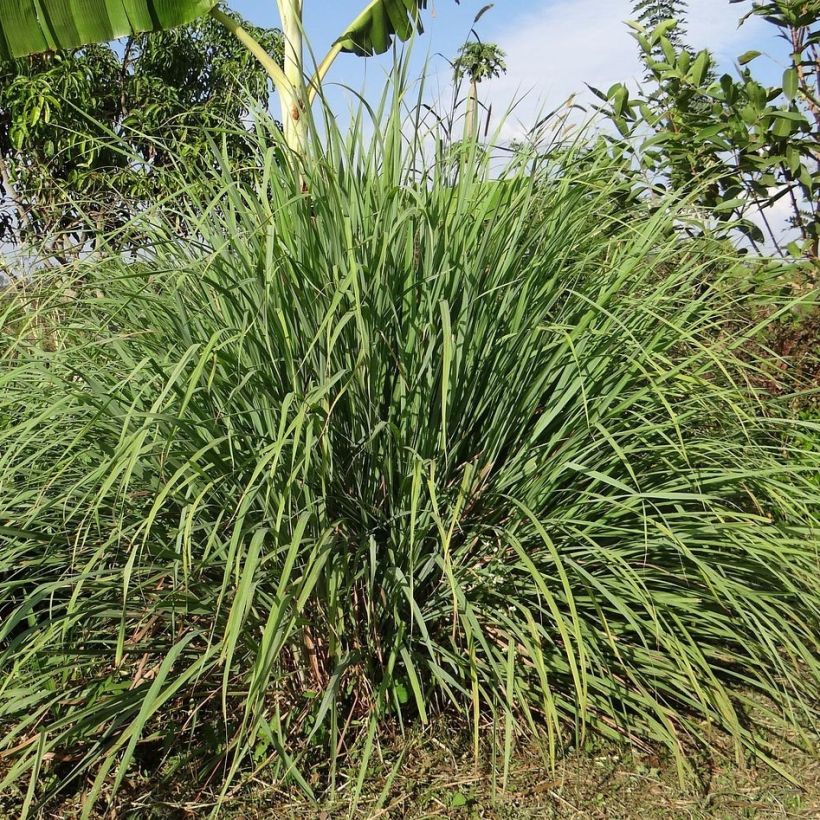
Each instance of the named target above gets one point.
<point>651,13</point>
<point>86,137</point>
<point>476,62</point>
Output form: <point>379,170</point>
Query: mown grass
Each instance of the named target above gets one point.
<point>364,442</point>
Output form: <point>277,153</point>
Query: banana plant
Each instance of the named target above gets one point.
<point>36,26</point>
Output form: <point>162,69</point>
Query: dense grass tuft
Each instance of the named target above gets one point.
<point>390,447</point>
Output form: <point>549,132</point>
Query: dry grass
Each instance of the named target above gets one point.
<point>431,774</point>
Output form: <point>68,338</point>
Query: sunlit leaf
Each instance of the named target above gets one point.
<point>33,26</point>
<point>372,32</point>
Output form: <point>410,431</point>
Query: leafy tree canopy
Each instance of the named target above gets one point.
<point>90,133</point>
<point>477,61</point>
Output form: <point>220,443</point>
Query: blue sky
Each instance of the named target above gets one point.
<point>553,46</point>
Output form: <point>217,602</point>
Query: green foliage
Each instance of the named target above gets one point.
<point>739,146</point>
<point>477,61</point>
<point>392,447</point>
<point>86,139</point>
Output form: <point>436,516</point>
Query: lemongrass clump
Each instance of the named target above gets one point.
<point>361,442</point>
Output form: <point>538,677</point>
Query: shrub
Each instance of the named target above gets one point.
<point>390,447</point>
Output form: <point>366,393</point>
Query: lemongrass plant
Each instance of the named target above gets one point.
<point>310,465</point>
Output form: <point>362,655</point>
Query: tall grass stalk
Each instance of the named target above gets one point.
<point>393,446</point>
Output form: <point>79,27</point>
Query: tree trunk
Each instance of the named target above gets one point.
<point>471,114</point>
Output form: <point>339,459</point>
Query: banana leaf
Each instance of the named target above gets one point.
<point>373,30</point>
<point>33,26</point>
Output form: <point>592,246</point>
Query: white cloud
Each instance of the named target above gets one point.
<point>553,50</point>
<point>714,24</point>
<point>562,44</point>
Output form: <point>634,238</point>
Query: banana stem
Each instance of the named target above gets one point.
<point>316,80</point>
<point>267,62</point>
<point>295,105</point>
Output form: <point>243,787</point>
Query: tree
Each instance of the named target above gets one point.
<point>476,62</point>
<point>38,26</point>
<point>734,145</point>
<point>78,150</point>
<point>798,163</point>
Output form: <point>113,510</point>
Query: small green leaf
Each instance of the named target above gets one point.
<point>728,86</point>
<point>782,128</point>
<point>709,132</point>
<point>729,205</point>
<point>757,94</point>
<point>662,29</point>
<point>668,51</point>
<point>620,101</point>
<point>748,114</point>
<point>699,67</point>
<point>793,116</point>
<point>790,79</point>
<point>401,692</point>
<point>597,92</point>
<point>748,56</point>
